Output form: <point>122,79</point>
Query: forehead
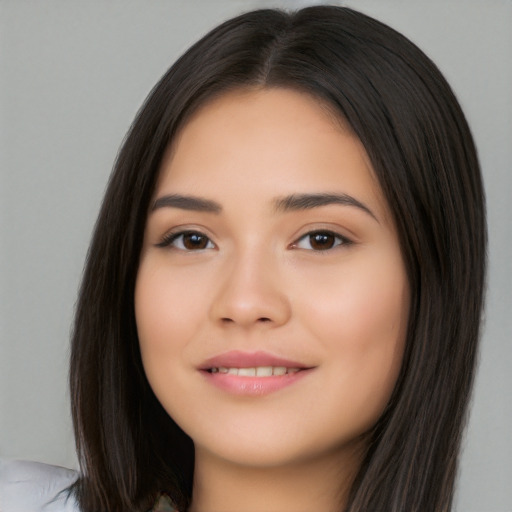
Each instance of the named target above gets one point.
<point>281,135</point>
<point>294,104</point>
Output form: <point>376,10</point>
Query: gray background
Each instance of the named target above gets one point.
<point>73,74</point>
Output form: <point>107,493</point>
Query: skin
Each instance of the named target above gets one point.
<point>259,281</point>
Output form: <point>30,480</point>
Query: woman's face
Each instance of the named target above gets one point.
<point>271,298</point>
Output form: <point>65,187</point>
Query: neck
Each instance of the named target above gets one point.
<point>318,484</point>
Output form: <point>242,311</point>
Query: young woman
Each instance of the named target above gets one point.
<point>281,304</point>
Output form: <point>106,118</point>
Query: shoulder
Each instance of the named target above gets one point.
<point>35,487</point>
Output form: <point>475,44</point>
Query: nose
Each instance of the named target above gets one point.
<point>251,293</point>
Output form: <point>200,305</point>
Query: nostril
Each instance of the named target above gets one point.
<point>263,319</point>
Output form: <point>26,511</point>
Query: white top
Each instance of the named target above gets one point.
<point>35,487</point>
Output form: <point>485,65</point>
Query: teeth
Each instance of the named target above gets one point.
<point>247,372</point>
<point>259,371</point>
<point>264,371</point>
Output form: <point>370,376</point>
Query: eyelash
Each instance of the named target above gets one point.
<point>170,239</point>
<point>339,240</point>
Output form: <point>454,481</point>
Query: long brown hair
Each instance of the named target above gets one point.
<point>422,152</point>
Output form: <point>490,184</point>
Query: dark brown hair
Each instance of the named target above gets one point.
<point>401,108</point>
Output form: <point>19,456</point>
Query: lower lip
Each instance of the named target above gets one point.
<point>253,386</point>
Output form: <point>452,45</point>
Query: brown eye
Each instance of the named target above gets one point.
<point>187,241</point>
<point>321,241</point>
<point>194,241</point>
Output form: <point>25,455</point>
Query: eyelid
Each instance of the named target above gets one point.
<point>167,240</point>
<point>170,237</point>
<point>343,241</point>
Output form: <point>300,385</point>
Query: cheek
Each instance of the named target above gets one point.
<point>166,318</point>
<point>361,318</point>
<point>361,304</point>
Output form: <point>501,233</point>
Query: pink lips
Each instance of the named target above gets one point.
<point>251,385</point>
<point>238,359</point>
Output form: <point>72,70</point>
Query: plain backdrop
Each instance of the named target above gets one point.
<point>72,76</point>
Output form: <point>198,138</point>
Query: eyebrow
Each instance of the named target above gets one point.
<point>294,202</point>
<point>192,203</point>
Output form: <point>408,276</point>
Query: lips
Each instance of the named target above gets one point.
<point>256,373</point>
<point>239,359</point>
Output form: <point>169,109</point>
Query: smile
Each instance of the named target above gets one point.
<point>252,373</point>
<point>258,371</point>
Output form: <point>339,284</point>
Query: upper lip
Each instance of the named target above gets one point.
<point>239,359</point>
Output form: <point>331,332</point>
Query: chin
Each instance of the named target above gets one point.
<point>278,449</point>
